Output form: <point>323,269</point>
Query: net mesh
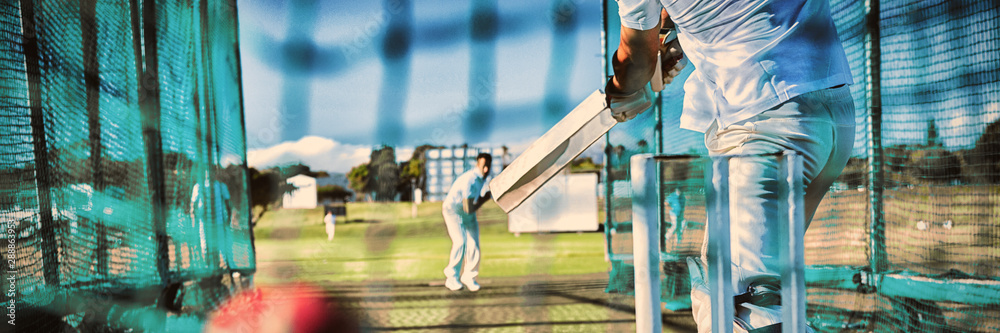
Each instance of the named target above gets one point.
<point>907,238</point>
<point>122,176</point>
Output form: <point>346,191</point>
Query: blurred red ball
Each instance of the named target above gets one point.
<point>294,309</point>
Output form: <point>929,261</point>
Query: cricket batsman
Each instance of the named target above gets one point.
<point>770,75</point>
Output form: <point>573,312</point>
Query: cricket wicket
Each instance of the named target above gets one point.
<point>646,247</point>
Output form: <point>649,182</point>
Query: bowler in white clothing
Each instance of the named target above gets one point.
<point>466,195</point>
<point>331,224</point>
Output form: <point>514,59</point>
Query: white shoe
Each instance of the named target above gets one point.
<point>472,285</point>
<point>454,285</point>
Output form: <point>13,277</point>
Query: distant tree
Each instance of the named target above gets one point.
<point>584,164</point>
<point>358,180</point>
<point>383,173</point>
<point>266,188</point>
<point>935,166</point>
<point>896,158</point>
<point>333,193</point>
<point>921,164</point>
<point>933,139</point>
<point>855,173</point>
<point>982,162</point>
<point>234,176</point>
<point>410,172</point>
<point>413,173</point>
<point>296,169</point>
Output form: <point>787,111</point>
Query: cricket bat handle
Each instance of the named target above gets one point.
<point>667,36</point>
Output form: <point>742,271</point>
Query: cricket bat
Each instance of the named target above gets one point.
<point>579,129</point>
<point>552,152</point>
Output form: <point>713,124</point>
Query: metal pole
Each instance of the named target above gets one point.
<point>149,105</point>
<point>440,192</point>
<point>92,79</point>
<point>608,151</point>
<point>646,243</point>
<point>876,154</point>
<point>719,264</point>
<point>793,282</point>
<point>658,136</point>
<point>44,178</point>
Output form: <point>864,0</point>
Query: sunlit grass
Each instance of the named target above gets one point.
<point>384,241</point>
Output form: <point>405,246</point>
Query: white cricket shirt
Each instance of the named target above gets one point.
<point>468,185</point>
<point>749,55</point>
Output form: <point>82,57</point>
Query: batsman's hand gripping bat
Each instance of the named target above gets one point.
<point>579,129</point>
<point>669,60</point>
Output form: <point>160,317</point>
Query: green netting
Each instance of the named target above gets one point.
<point>122,162</point>
<point>907,239</point>
<point>940,214</point>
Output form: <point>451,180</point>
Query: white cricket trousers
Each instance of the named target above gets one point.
<point>464,232</point>
<point>820,126</point>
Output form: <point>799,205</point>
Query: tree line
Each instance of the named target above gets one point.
<point>931,164</point>
<point>382,179</point>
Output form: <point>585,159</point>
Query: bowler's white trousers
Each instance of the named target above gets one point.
<point>464,232</point>
<point>818,125</point>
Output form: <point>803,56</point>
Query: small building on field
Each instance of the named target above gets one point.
<point>304,197</point>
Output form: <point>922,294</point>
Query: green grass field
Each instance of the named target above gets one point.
<point>379,241</point>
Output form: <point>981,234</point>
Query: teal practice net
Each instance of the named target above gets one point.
<point>123,185</point>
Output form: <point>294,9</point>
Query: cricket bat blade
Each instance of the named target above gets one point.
<point>552,152</point>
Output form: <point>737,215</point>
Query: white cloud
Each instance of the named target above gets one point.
<point>991,112</point>
<point>403,154</point>
<point>318,153</point>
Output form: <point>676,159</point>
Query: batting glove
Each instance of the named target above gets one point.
<point>672,60</point>
<point>623,106</point>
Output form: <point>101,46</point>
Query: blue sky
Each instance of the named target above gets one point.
<point>341,88</point>
<point>332,103</point>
